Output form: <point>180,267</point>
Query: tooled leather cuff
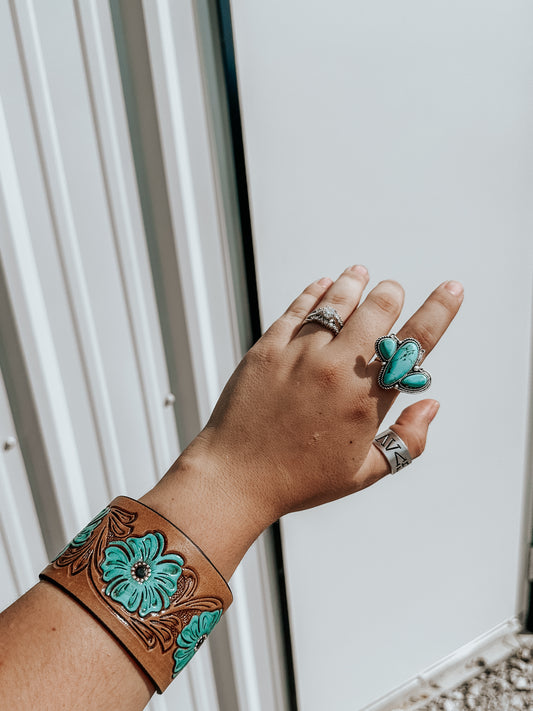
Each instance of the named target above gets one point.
<point>146,582</point>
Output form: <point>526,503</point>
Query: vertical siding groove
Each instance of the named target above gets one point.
<point>67,243</point>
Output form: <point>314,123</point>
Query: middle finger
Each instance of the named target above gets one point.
<point>374,317</point>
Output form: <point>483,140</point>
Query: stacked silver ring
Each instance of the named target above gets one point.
<point>328,317</point>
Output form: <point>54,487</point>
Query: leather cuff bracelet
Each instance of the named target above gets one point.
<point>146,582</point>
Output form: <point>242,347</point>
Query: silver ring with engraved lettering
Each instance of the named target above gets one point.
<point>394,450</point>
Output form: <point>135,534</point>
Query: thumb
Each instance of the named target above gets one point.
<point>412,427</point>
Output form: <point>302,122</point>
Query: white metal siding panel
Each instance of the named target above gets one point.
<point>78,202</point>
<point>22,553</point>
<point>10,591</point>
<point>78,275</point>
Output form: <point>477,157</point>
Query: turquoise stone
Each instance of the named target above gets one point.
<point>415,381</point>
<point>387,347</point>
<point>401,363</point>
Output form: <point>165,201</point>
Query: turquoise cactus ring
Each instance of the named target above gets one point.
<point>401,368</point>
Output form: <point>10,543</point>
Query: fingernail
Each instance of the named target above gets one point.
<point>454,287</point>
<point>325,281</point>
<point>359,268</point>
<point>432,409</point>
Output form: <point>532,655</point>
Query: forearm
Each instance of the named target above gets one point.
<point>56,655</point>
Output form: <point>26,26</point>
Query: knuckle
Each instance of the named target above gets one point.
<point>393,285</point>
<point>337,300</point>
<point>313,289</point>
<point>425,335</point>
<point>388,296</point>
<point>359,408</point>
<point>262,354</point>
<point>329,373</point>
<point>444,300</point>
<point>298,311</point>
<point>355,277</point>
<point>417,444</point>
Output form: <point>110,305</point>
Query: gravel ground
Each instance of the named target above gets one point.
<point>506,686</point>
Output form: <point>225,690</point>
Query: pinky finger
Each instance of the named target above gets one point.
<point>412,427</point>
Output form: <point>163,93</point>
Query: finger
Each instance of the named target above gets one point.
<point>344,295</point>
<point>432,319</point>
<point>374,317</point>
<point>412,427</point>
<point>427,325</point>
<point>285,327</point>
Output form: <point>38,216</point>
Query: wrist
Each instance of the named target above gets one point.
<point>209,507</point>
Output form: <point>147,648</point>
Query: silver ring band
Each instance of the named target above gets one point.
<point>394,449</point>
<point>328,317</point>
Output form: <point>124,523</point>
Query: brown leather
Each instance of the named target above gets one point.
<point>151,639</point>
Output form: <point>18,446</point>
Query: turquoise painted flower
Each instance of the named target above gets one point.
<point>84,535</point>
<point>140,576</point>
<point>191,637</point>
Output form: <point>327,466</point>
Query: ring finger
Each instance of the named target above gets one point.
<point>344,296</point>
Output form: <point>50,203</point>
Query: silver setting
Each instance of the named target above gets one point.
<point>393,449</point>
<point>415,369</point>
<point>147,571</point>
<point>328,317</point>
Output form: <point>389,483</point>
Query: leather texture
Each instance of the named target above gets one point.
<point>128,562</point>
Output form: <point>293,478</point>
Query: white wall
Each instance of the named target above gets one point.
<point>399,135</point>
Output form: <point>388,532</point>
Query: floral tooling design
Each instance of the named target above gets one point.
<point>154,591</point>
<point>83,536</point>
<point>140,576</point>
<point>193,636</point>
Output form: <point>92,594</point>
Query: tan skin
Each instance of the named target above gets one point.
<point>293,429</point>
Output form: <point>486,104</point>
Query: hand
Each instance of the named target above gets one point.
<point>294,425</point>
<point>292,429</point>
